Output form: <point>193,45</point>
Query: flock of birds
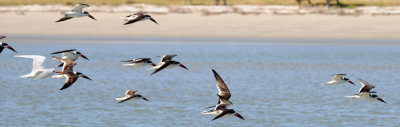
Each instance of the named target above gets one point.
<point>77,12</point>
<point>68,58</point>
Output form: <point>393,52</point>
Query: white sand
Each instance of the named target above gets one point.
<point>197,25</point>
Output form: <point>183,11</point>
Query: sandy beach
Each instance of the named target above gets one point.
<point>198,25</point>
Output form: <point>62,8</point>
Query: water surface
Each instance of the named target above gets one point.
<point>272,84</point>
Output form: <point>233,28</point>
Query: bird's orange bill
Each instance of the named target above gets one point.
<point>181,65</point>
<point>83,56</point>
<point>240,116</point>
<point>153,20</point>
<point>60,72</point>
<point>152,64</point>
<point>145,99</point>
<point>90,16</point>
<point>351,82</point>
<point>84,76</point>
<point>380,99</point>
<point>9,47</point>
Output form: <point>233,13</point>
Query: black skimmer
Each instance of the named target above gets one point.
<point>138,62</point>
<point>130,94</point>
<point>76,12</point>
<point>68,73</point>
<point>221,109</point>
<point>139,16</point>
<point>167,62</point>
<point>70,54</point>
<point>338,79</point>
<point>365,92</point>
<point>5,45</point>
<point>38,71</point>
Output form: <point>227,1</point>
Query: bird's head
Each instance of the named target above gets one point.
<point>81,55</point>
<point>88,14</point>
<point>82,75</point>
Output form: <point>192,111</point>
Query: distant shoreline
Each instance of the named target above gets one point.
<point>193,40</point>
<point>214,26</point>
<point>213,10</point>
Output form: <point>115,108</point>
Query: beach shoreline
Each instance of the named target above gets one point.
<point>194,25</point>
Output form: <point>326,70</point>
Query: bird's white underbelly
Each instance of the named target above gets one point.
<point>136,65</point>
<point>335,82</point>
<point>75,14</point>
<point>58,76</point>
<point>71,57</point>
<point>215,112</point>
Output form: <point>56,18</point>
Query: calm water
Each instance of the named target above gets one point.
<point>271,85</point>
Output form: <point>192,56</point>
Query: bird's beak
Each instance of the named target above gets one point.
<point>181,65</point>
<point>351,82</point>
<point>60,72</point>
<point>83,56</point>
<point>153,20</point>
<point>145,99</point>
<point>90,16</point>
<point>84,76</point>
<point>238,115</point>
<point>9,47</point>
<point>152,64</point>
<point>380,99</point>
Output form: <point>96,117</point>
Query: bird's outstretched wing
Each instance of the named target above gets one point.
<point>166,64</point>
<point>132,21</point>
<point>366,86</point>
<point>68,50</point>
<point>64,18</point>
<point>2,36</point>
<point>79,7</point>
<point>71,79</point>
<point>222,88</point>
<point>37,63</point>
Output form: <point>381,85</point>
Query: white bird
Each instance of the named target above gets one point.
<point>38,71</point>
<point>76,12</point>
<point>365,92</point>
<point>338,79</point>
<point>130,94</point>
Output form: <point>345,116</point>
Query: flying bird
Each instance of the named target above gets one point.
<point>138,62</point>
<point>130,94</point>
<point>167,62</point>
<point>5,45</point>
<point>38,71</point>
<point>139,16</point>
<point>68,73</point>
<point>76,12</point>
<point>338,79</point>
<point>221,109</point>
<point>365,92</point>
<point>70,54</point>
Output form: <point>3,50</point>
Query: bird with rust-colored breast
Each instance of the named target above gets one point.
<point>68,73</point>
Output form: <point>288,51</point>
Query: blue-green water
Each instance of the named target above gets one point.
<point>272,84</point>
